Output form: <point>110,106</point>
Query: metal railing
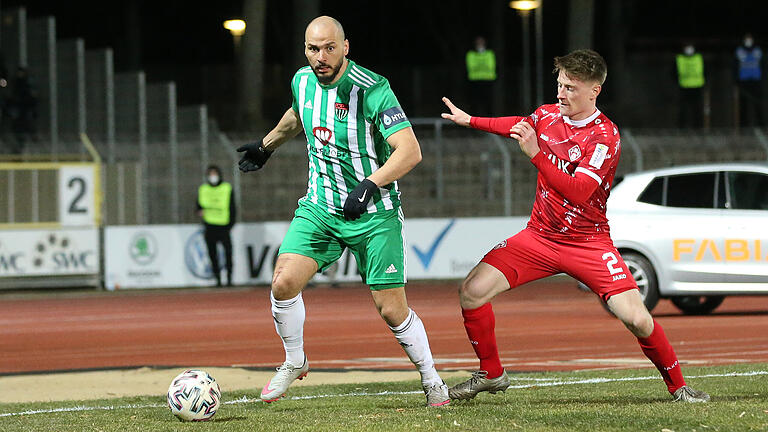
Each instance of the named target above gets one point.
<point>493,141</point>
<point>463,172</point>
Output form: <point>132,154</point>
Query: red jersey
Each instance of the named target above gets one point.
<point>576,165</point>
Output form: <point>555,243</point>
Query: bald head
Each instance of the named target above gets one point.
<point>326,48</point>
<point>325,27</point>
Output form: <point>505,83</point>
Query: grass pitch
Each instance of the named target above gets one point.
<point>625,400</point>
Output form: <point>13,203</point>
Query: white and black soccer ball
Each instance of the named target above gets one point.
<point>194,395</point>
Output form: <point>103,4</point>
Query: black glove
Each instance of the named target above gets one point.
<point>357,200</point>
<point>255,156</point>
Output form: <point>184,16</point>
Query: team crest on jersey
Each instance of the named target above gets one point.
<point>323,134</point>
<point>342,110</point>
<point>574,153</point>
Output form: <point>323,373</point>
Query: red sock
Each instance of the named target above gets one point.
<point>657,348</point>
<point>480,324</point>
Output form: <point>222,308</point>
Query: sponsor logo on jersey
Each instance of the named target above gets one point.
<point>560,164</point>
<point>308,105</point>
<point>574,153</point>
<point>503,244</point>
<point>323,134</point>
<point>342,110</point>
<point>392,117</point>
<point>390,269</point>
<point>601,150</point>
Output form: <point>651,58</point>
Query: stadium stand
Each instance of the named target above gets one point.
<point>154,152</point>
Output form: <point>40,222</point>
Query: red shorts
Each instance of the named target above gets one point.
<point>528,256</point>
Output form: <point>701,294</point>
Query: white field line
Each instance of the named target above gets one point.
<point>538,382</point>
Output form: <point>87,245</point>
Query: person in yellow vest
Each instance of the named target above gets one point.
<point>216,207</point>
<point>690,80</point>
<point>481,73</point>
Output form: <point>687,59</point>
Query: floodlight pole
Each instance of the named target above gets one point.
<point>525,15</point>
<point>539,54</point>
<point>524,8</point>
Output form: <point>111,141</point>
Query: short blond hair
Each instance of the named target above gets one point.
<point>584,65</point>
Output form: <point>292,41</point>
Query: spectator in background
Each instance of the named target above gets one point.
<point>21,109</point>
<point>216,206</point>
<point>690,79</point>
<point>749,81</point>
<point>481,73</point>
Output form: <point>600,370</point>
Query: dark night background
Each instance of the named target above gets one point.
<point>185,42</point>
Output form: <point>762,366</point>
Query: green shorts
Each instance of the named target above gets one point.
<point>376,240</point>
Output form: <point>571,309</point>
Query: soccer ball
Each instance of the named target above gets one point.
<point>194,396</point>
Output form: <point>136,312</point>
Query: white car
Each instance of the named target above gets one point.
<point>694,234</point>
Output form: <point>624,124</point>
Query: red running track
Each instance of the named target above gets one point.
<point>548,325</point>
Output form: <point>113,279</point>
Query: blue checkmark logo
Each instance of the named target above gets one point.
<point>426,256</point>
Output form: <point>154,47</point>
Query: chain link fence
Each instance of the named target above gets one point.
<point>463,173</point>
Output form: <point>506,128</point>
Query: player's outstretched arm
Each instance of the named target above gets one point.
<point>457,116</point>
<point>257,153</point>
<point>407,155</point>
<point>496,125</point>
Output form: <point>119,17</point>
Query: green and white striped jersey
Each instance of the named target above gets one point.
<point>346,125</point>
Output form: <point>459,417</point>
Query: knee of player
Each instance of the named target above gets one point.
<point>640,323</point>
<point>387,312</point>
<point>393,314</point>
<point>284,286</point>
<point>472,290</point>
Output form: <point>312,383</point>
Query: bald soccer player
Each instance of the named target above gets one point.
<point>359,143</point>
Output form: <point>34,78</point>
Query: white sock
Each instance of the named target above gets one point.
<point>413,338</point>
<point>289,323</point>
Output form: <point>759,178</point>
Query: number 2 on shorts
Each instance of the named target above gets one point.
<point>611,261</point>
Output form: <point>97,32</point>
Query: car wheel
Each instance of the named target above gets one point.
<point>697,305</point>
<point>645,277</point>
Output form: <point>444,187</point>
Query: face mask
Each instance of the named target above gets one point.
<point>213,179</point>
<point>748,42</point>
<point>688,50</point>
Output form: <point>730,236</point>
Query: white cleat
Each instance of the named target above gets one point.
<point>286,374</point>
<point>687,394</point>
<point>437,395</point>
